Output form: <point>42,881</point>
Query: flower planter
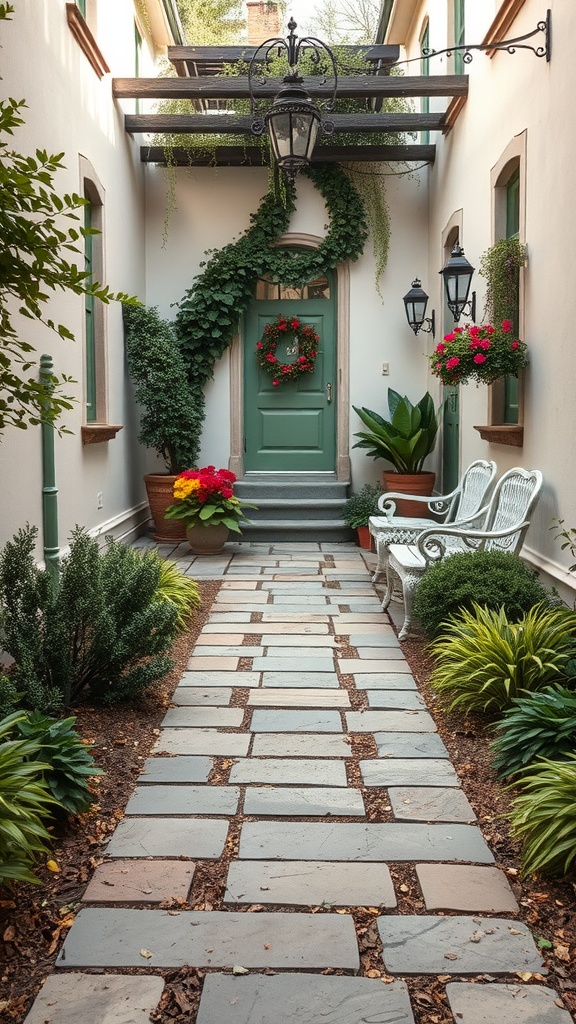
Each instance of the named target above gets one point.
<point>207,540</point>
<point>365,538</point>
<point>160,496</point>
<point>410,483</point>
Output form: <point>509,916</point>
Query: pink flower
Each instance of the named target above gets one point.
<point>258,344</point>
<point>458,330</point>
<point>286,369</point>
<point>282,327</point>
<point>474,331</point>
<point>451,363</point>
<point>479,358</point>
<point>515,344</point>
<point>275,383</point>
<point>295,324</point>
<point>473,345</point>
<point>302,359</point>
<point>440,347</point>
<point>484,344</point>
<point>271,359</point>
<point>506,326</point>
<point>449,337</point>
<point>488,328</point>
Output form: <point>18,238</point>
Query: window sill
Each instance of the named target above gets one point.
<point>85,40</point>
<point>505,433</point>
<point>94,433</point>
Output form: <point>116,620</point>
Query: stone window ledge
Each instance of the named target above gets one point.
<point>94,433</point>
<point>86,40</point>
<point>505,433</point>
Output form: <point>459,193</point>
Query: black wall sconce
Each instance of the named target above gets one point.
<point>457,275</point>
<point>415,302</point>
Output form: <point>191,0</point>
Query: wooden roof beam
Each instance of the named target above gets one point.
<point>232,54</point>
<point>225,124</point>
<point>223,88</point>
<point>255,156</point>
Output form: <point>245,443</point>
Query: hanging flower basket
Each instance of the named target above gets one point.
<point>285,328</point>
<point>478,353</point>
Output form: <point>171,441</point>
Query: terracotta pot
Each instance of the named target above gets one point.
<point>207,540</point>
<point>410,483</point>
<point>159,490</point>
<point>365,538</point>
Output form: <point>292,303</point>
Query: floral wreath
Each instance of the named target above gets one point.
<point>306,339</point>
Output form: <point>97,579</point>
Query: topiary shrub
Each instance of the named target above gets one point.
<point>483,661</point>
<point>541,725</point>
<point>544,817</point>
<point>70,762</point>
<point>493,579</point>
<point>101,636</point>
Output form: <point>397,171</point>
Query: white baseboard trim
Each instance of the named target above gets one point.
<point>554,569</point>
<point>126,526</point>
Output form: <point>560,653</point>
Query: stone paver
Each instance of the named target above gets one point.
<point>390,721</point>
<point>328,680</point>
<point>96,999</point>
<point>301,698</point>
<point>176,769</point>
<point>277,771</point>
<point>203,741</point>
<point>505,1004</point>
<point>194,696</point>
<point>193,678</point>
<point>169,837</point>
<point>237,651</point>
<point>183,800</point>
<point>408,744</point>
<point>423,803</point>
<point>296,642</point>
<point>295,721</point>
<point>459,887</point>
<point>405,700</point>
<point>307,802</point>
<point>352,666</point>
<point>286,663</point>
<point>408,772</point>
<point>300,745</point>
<point>140,881</point>
<point>310,883</point>
<point>213,664</point>
<point>281,628</point>
<point>457,945</point>
<point>402,680</point>
<point>110,937</point>
<point>375,639</point>
<point>291,998</point>
<point>361,842</point>
<point>203,718</point>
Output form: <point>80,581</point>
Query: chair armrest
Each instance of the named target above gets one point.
<point>432,548</point>
<point>387,502</point>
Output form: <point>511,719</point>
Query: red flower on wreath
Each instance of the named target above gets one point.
<point>305,339</point>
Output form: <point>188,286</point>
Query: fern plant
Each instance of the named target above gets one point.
<point>25,805</point>
<point>70,762</point>
<point>484,661</point>
<point>544,817</point>
<point>541,725</point>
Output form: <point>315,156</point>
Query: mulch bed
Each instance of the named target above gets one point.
<point>34,920</point>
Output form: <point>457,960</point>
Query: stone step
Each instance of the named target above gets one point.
<point>290,486</point>
<point>275,531</point>
<point>293,506</point>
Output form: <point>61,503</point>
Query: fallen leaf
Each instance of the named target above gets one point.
<point>10,933</point>
<point>52,866</point>
<point>373,974</point>
<point>451,956</point>
<point>266,945</point>
<point>404,888</point>
<point>146,953</point>
<point>562,951</point>
<point>524,975</point>
<point>444,977</point>
<point>514,931</point>
<point>240,970</point>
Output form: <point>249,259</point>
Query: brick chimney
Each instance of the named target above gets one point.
<point>264,20</point>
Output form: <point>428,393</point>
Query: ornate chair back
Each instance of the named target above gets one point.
<point>514,498</point>
<point>473,489</point>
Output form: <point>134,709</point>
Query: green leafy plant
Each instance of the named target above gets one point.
<point>483,661</point>
<point>170,419</point>
<point>178,589</point>
<point>100,636</point>
<point>500,265</point>
<point>568,536</point>
<point>9,696</point>
<point>360,506</point>
<point>541,725</point>
<point>544,817</point>
<point>494,579</point>
<point>407,438</point>
<point>205,497</point>
<point>25,805</point>
<point>70,762</point>
<point>478,353</point>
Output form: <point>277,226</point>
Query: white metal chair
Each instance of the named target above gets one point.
<point>462,505</point>
<point>504,528</point>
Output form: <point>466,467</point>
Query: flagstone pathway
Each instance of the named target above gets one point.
<point>255,773</point>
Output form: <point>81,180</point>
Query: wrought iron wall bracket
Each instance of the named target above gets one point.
<point>510,45</point>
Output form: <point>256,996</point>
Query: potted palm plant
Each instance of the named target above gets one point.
<point>358,509</point>
<point>170,422</point>
<point>405,440</point>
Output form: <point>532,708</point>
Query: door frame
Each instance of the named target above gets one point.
<point>342,312</point>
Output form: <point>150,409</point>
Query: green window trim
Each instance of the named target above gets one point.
<point>137,58</point>
<point>81,5</point>
<point>89,321</point>
<point>425,70</point>
<point>511,389</point>
<point>459,34</point>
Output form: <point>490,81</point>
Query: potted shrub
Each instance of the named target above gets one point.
<point>405,440</point>
<point>170,421</point>
<point>479,353</point>
<point>357,511</point>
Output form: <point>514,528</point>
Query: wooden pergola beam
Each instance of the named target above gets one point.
<point>233,54</point>
<point>230,88</point>
<point>255,156</point>
<point>229,124</point>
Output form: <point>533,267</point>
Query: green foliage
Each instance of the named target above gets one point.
<point>25,804</point>
<point>541,725</point>
<point>360,506</point>
<point>494,579</point>
<point>9,696</point>
<point>69,759</point>
<point>407,438</point>
<point>483,661</point>
<point>179,590</point>
<point>544,817</point>
<point>568,536</point>
<point>500,265</point>
<point>101,636</point>
<point>171,421</point>
<point>39,229</point>
<point>207,22</point>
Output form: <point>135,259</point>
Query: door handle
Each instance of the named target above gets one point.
<point>328,389</point>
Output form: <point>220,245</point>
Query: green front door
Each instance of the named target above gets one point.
<point>290,428</point>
